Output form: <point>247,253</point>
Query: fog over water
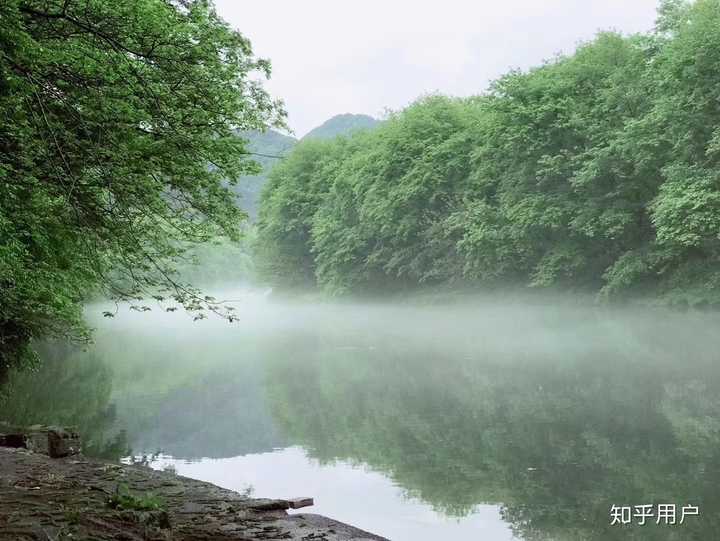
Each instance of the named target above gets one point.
<point>487,417</point>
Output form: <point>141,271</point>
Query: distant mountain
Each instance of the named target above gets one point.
<point>341,125</point>
<point>265,145</point>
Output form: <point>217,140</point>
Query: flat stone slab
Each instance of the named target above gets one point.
<point>69,498</point>
<point>298,503</point>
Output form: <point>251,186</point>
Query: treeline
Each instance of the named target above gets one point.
<point>598,171</point>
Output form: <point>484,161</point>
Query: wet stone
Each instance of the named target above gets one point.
<point>37,491</point>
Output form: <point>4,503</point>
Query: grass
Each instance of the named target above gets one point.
<point>124,499</point>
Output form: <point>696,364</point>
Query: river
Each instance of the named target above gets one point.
<point>483,419</point>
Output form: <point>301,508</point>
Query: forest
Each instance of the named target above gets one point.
<point>596,172</point>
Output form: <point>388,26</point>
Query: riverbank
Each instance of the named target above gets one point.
<point>78,498</point>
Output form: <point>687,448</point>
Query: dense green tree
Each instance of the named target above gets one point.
<point>548,207</point>
<point>117,143</point>
<point>380,223</point>
<point>290,199</point>
<point>596,171</point>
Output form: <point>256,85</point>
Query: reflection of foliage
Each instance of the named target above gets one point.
<point>70,389</point>
<point>195,397</point>
<point>556,414</point>
<point>220,415</point>
<point>556,436</point>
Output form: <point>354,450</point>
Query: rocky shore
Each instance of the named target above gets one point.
<point>72,497</point>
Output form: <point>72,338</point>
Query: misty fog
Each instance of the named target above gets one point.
<point>455,414</point>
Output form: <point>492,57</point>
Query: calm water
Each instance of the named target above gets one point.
<point>482,421</point>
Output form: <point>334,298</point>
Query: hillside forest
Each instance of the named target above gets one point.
<point>596,172</point>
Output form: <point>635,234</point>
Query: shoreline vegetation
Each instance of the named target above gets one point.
<point>597,173</point>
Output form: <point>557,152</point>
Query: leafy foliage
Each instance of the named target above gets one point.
<point>125,500</point>
<point>597,171</point>
<point>293,192</point>
<point>117,142</point>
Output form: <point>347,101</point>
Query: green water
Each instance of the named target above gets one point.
<point>475,421</point>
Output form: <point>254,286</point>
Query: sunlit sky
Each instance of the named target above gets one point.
<point>331,57</point>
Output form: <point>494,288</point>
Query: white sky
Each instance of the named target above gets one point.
<point>333,56</point>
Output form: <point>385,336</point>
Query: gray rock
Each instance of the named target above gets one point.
<point>52,441</point>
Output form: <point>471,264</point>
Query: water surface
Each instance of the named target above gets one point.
<point>481,420</point>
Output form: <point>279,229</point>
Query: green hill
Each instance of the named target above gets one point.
<point>341,125</point>
<point>265,145</point>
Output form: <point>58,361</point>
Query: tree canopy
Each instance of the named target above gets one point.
<point>596,171</point>
<point>118,148</point>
